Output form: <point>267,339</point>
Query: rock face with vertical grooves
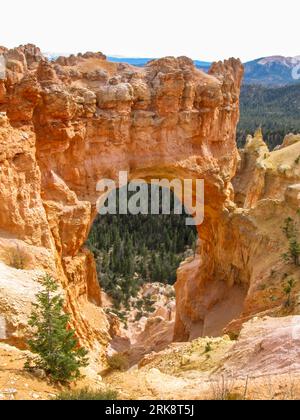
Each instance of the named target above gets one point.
<point>67,124</point>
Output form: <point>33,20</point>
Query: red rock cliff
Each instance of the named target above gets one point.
<point>65,125</point>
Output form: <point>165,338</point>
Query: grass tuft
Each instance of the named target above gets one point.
<point>86,394</point>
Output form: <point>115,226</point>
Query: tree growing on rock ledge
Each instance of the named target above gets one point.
<point>288,288</point>
<point>291,232</point>
<point>53,341</point>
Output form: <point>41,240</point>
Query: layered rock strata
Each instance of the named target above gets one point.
<point>67,124</point>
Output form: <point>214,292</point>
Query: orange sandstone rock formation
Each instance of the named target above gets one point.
<point>67,124</point>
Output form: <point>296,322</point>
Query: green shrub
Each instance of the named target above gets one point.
<point>17,258</point>
<point>234,396</point>
<point>87,395</point>
<point>53,341</point>
<point>118,361</point>
<point>208,348</point>
<point>139,304</point>
<point>139,316</point>
<point>288,289</point>
<point>291,232</point>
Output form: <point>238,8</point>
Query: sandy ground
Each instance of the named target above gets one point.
<point>262,364</point>
<point>191,371</point>
<point>18,384</point>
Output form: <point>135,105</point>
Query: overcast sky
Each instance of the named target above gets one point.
<point>205,30</point>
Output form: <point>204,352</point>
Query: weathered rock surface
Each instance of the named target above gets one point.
<point>246,271</point>
<point>66,125</point>
<point>264,174</point>
<point>268,346</point>
<point>17,290</point>
<point>254,367</point>
<point>262,364</point>
<point>150,322</point>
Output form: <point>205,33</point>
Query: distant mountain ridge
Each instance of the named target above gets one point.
<point>140,62</point>
<point>273,71</point>
<point>267,71</point>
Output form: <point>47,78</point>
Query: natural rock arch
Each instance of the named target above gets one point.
<point>72,122</point>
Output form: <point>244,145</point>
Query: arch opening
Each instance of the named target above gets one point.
<point>137,257</point>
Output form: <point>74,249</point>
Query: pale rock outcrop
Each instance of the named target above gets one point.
<point>263,174</point>
<point>246,270</point>
<point>268,346</point>
<point>267,184</point>
<point>150,322</point>
<point>17,291</point>
<point>289,140</point>
<point>263,364</point>
<point>254,152</point>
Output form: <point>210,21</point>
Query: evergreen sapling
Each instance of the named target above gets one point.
<point>53,341</point>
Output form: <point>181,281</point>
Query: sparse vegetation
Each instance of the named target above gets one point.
<point>148,305</point>
<point>139,316</point>
<point>145,306</point>
<point>291,231</point>
<point>118,361</point>
<point>139,304</point>
<point>171,294</point>
<point>122,315</point>
<point>58,352</point>
<point>86,394</point>
<point>208,347</point>
<point>17,258</point>
<point>288,289</point>
<point>233,335</point>
<point>224,389</point>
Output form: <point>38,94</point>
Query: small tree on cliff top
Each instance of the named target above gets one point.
<point>54,342</point>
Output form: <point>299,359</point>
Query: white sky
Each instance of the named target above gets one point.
<point>205,30</point>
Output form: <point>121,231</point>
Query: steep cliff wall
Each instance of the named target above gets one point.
<point>65,125</point>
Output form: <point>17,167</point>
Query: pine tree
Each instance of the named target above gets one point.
<point>291,284</point>
<point>291,232</point>
<point>55,344</point>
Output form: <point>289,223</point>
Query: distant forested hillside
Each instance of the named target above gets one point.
<point>276,110</point>
<point>271,71</point>
<point>131,250</point>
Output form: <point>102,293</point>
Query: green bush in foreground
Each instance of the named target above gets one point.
<point>88,395</point>
<point>53,341</point>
